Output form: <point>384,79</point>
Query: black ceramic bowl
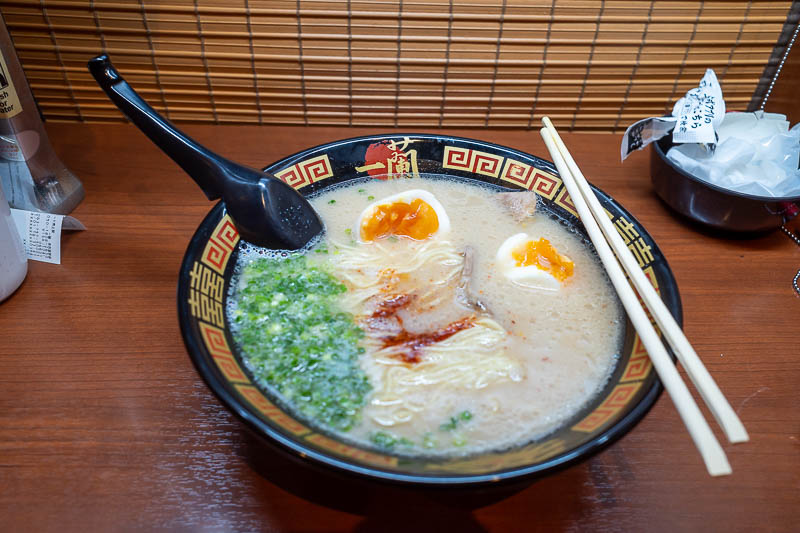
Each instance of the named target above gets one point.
<point>206,273</point>
<point>713,206</point>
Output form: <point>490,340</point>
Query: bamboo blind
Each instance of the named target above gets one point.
<point>591,65</point>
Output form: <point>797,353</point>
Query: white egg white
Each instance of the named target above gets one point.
<point>408,197</point>
<point>526,276</point>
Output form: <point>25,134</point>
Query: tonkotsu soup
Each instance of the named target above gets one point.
<point>435,318</point>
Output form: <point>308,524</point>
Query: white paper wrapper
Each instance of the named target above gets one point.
<point>700,112</point>
<point>695,118</point>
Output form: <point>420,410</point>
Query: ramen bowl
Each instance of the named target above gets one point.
<point>207,270</point>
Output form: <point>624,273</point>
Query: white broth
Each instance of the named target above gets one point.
<point>460,358</point>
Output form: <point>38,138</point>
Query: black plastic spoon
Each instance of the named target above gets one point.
<point>266,211</point>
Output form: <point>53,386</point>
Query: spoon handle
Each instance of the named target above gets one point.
<point>205,167</point>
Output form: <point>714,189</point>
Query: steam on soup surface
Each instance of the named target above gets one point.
<point>436,318</point>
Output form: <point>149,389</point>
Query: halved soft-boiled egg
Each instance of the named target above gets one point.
<point>533,262</point>
<point>415,214</point>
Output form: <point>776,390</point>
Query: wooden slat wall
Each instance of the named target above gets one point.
<point>591,65</point>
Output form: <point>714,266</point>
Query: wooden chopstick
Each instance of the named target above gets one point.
<point>710,450</point>
<point>702,380</point>
<point>723,412</point>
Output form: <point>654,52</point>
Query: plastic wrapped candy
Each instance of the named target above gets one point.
<point>756,153</point>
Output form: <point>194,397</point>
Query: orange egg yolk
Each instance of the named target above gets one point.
<point>416,220</point>
<point>543,255</point>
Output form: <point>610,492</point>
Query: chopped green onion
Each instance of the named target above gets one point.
<point>298,342</point>
<point>452,424</point>
<point>387,441</point>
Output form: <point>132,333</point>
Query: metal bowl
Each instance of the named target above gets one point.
<point>713,206</point>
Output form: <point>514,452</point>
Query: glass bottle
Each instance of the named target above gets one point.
<point>32,175</point>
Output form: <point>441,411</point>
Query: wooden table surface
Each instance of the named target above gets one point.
<point>106,426</point>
